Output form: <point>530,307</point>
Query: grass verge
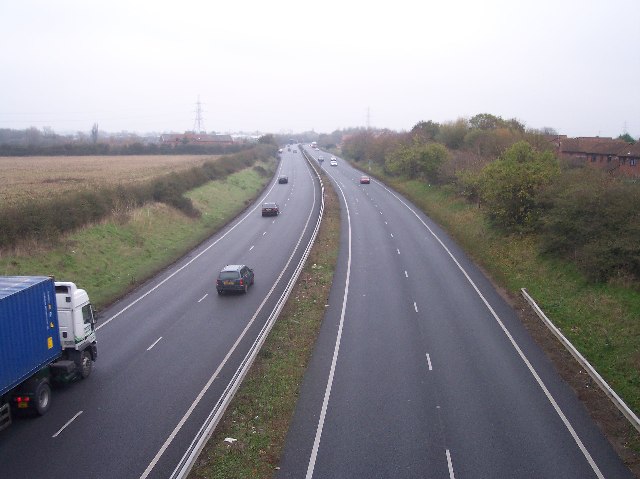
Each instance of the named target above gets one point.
<point>114,256</point>
<point>260,413</point>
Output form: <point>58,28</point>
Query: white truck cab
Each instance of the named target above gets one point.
<point>75,317</point>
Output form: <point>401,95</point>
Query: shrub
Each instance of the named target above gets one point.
<point>593,219</point>
<point>510,185</point>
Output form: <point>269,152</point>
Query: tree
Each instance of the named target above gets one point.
<point>94,133</point>
<point>627,137</point>
<point>425,130</point>
<point>421,161</point>
<point>509,187</point>
<point>452,134</point>
<point>268,139</point>
<point>486,121</point>
<point>593,219</point>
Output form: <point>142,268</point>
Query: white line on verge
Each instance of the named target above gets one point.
<point>450,464</point>
<point>157,341</point>
<point>207,386</point>
<point>67,424</point>
<point>336,350</point>
<point>515,345</point>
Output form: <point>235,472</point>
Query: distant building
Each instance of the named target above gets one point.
<point>613,155</point>
<point>189,138</point>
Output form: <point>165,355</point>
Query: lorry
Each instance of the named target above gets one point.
<point>47,336</point>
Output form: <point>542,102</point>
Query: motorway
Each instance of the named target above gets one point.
<point>422,370</point>
<point>168,352</point>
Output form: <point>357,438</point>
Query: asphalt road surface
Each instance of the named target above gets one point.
<point>422,370</point>
<point>167,352</point>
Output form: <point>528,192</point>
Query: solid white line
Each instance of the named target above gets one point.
<point>450,464</point>
<point>515,345</point>
<point>157,341</point>
<point>249,213</point>
<point>429,361</point>
<point>65,426</point>
<point>203,297</point>
<point>336,350</point>
<point>406,274</point>
<point>207,386</point>
<point>415,306</point>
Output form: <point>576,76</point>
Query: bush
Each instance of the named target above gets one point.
<point>510,185</point>
<point>593,219</point>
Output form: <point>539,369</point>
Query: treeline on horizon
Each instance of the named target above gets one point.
<point>34,142</point>
<point>574,211</point>
<point>45,219</point>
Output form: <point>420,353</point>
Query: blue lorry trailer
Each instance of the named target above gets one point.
<point>47,333</point>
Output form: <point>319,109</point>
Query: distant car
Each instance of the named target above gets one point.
<point>333,158</point>
<point>321,158</point>
<point>283,179</point>
<point>280,150</point>
<point>234,277</point>
<point>365,180</point>
<point>334,163</point>
<point>270,209</point>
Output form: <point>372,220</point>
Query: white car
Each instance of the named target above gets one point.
<point>334,163</point>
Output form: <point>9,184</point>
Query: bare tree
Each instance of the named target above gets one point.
<point>94,133</point>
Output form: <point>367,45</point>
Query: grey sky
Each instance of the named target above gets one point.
<point>280,65</point>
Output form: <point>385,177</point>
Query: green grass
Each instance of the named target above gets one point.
<point>110,258</point>
<point>260,413</point>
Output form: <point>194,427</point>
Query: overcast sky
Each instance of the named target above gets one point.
<point>291,66</point>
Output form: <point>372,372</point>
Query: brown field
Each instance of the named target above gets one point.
<point>24,178</point>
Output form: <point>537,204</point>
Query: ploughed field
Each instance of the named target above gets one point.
<point>25,178</point>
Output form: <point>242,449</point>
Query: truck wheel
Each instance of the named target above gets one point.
<point>43,398</point>
<point>86,365</point>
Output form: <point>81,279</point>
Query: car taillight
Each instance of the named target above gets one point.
<point>241,283</point>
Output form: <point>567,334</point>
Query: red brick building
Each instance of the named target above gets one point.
<point>612,155</point>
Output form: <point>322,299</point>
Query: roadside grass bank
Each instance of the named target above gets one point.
<point>601,320</point>
<point>117,254</point>
<point>48,217</point>
<point>259,415</point>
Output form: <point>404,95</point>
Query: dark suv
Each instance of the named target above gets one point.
<point>234,277</point>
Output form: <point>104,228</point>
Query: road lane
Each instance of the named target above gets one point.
<point>485,411</point>
<point>138,394</point>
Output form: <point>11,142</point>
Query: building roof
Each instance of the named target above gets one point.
<point>597,145</point>
<point>630,151</point>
